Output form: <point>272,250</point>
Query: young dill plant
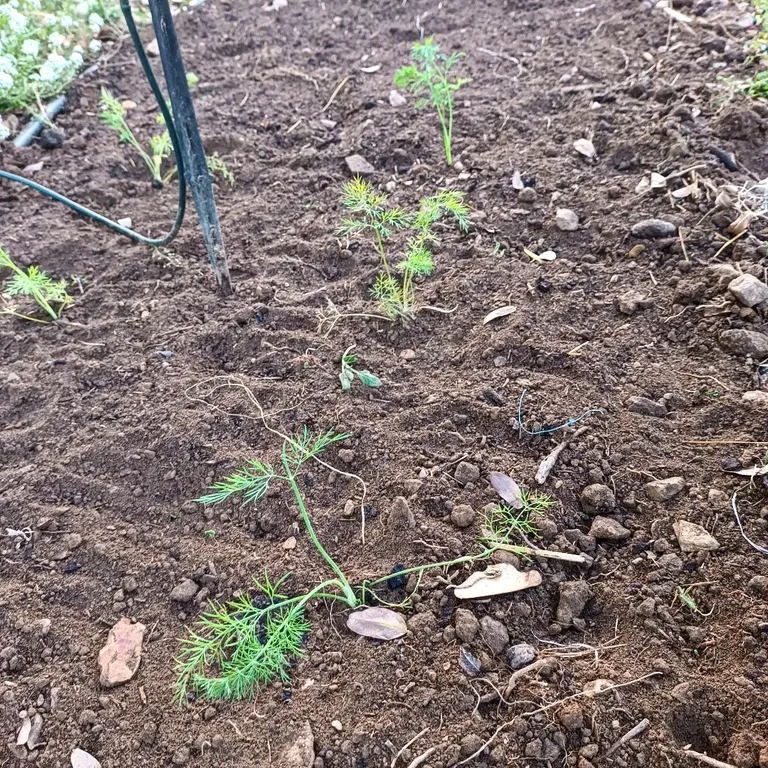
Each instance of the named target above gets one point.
<point>49,294</point>
<point>394,288</point>
<point>428,76</point>
<point>504,522</point>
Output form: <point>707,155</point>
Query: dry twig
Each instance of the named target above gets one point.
<point>707,759</point>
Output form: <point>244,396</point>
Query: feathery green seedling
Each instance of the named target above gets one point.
<point>348,372</point>
<point>241,646</point>
<point>36,284</point>
<point>371,213</point>
<point>428,77</point>
<point>504,521</point>
<point>686,598</point>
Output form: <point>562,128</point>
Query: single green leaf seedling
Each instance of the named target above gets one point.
<point>348,372</point>
<point>428,77</point>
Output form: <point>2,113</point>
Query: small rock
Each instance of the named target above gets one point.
<point>359,166</point>
<point>13,378</point>
<point>494,634</point>
<point>71,540</point>
<point>653,228</point>
<point>86,717</point>
<point>337,726</point>
<point>631,301</point>
<point>571,716</point>
<point>756,399</point>
<point>597,498</point>
<point>408,354</point>
<point>670,563</point>
<point>301,754</point>
<point>152,48</point>
<point>608,529</point>
<point>462,515</point>
<point>759,585</point>
<point>466,473</point>
<point>50,138</point>
<point>396,99</point>
<point>81,759</point>
<point>717,498</point>
<point>469,663</point>
<point>566,220</point>
<point>647,608</point>
<point>647,407</point>
<point>184,592</point>
<point>181,756</point>
<point>466,624</point>
<point>120,657</point>
<point>574,596</point>
<point>694,538</point>
<point>35,738</point>
<point>129,584</point>
<point>290,543</point>
<point>664,490</point>
<point>527,195</point>
<point>413,486</point>
<point>748,290</point>
<point>743,342</point>
<point>400,515</point>
<point>520,655</point>
<point>470,744</point>
<point>347,455</point>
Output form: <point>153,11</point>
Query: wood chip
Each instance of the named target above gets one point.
<point>497,313</point>
<point>497,579</point>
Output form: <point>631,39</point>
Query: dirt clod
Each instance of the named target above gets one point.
<point>596,499</point>
<point>574,596</point>
<point>664,490</point>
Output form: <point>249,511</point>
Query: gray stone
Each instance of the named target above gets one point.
<point>396,99</point>
<point>574,596</point>
<point>748,290</point>
<point>470,744</point>
<point>566,220</point>
<point>462,515</point>
<point>756,399</point>
<point>184,592</point>
<point>527,195</point>
<point>347,455</point>
<point>608,529</point>
<point>466,624</point>
<point>359,166</point>
<point>631,301</point>
<point>466,473</point>
<point>759,585</point>
<point>664,490</point>
<point>743,342</point>
<point>400,516</point>
<point>646,407</point>
<point>300,754</point>
<point>653,228</point>
<point>494,634</point>
<point>670,563</point>
<point>181,756</point>
<point>597,498</point>
<point>520,655</point>
<point>693,538</point>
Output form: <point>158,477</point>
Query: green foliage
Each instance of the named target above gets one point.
<point>757,87</point>
<point>348,373</point>
<point>37,285</point>
<point>687,599</point>
<point>113,114</point>
<point>371,213</point>
<point>428,77</point>
<point>504,522</point>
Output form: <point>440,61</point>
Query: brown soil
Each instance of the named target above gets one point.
<point>101,436</point>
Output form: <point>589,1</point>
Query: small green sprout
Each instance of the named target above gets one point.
<point>217,166</point>
<point>686,598</point>
<point>210,533</point>
<point>371,213</point>
<point>36,284</point>
<point>428,77</point>
<point>192,79</point>
<point>503,522</point>
<point>348,372</point>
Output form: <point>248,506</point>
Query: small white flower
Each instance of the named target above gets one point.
<point>76,58</point>
<point>66,22</point>
<point>83,8</point>
<point>55,40</point>
<point>94,46</point>
<point>30,48</point>
<point>95,22</point>
<point>6,81</point>
<point>17,22</point>
<point>7,65</point>
<point>5,131</point>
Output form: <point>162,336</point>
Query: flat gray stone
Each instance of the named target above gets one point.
<point>694,538</point>
<point>664,490</point>
<point>743,342</point>
<point>748,290</point>
<point>649,229</point>
<point>608,529</point>
<point>359,166</point>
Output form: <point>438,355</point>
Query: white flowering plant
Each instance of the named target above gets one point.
<point>42,46</point>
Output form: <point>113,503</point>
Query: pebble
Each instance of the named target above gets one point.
<point>646,608</point>
<point>466,473</point>
<point>743,342</point>
<point>520,655</point>
<point>759,585</point>
<point>597,498</point>
<point>466,624</point>
<point>469,663</point>
<point>120,657</point>
<point>571,716</point>
<point>470,744</point>
<point>664,490</point>
<point>181,756</point>
<point>608,529</point>
<point>527,195</point>
<point>631,301</point>
<point>566,220</point>
<point>653,228</point>
<point>462,515</point>
<point>50,138</point>
<point>359,166</point>
<point>184,592</point>
<point>400,515</point>
<point>347,455</point>
<point>574,596</point>
<point>152,48</point>
<point>396,99</point>
<point>337,726</point>
<point>694,538</point>
<point>647,407</point>
<point>748,290</point>
<point>82,759</point>
<point>408,354</point>
<point>494,634</point>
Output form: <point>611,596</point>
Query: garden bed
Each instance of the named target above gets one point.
<point>112,423</point>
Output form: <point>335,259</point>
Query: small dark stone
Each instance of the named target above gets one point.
<point>493,397</point>
<point>50,138</point>
<point>395,581</point>
<point>730,464</point>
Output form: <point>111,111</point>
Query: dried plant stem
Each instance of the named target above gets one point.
<point>707,759</point>
<point>406,745</point>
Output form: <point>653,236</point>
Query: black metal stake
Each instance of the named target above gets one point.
<point>194,159</point>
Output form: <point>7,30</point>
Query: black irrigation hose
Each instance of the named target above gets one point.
<point>166,113</point>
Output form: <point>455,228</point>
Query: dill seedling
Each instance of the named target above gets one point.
<point>686,598</point>
<point>217,166</point>
<point>503,521</point>
<point>348,372</point>
<point>428,76</point>
<point>394,288</point>
<point>36,284</point>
